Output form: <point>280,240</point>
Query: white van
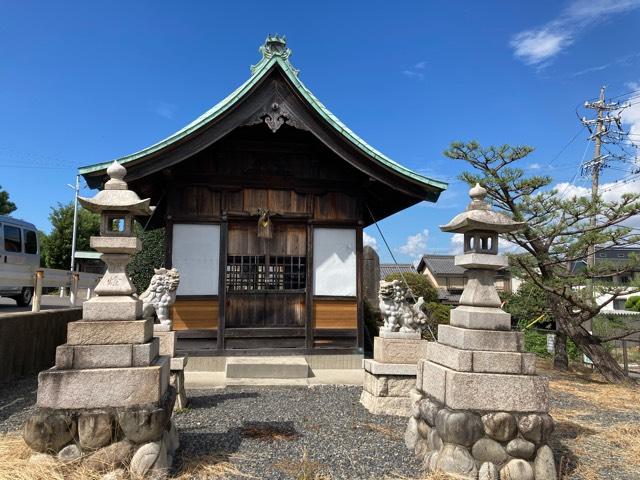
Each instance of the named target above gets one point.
<point>19,259</point>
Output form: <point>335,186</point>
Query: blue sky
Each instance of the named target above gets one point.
<point>85,82</point>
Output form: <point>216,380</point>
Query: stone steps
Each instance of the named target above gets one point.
<point>267,367</point>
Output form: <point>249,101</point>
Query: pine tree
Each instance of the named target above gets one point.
<point>558,234</point>
<point>6,206</point>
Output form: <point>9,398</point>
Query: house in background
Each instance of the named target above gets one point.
<point>450,279</point>
<point>389,268</point>
<point>263,199</point>
<point>614,255</point>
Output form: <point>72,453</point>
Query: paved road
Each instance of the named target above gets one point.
<point>49,302</point>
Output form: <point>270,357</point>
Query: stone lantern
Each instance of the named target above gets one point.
<point>108,397</point>
<point>479,410</point>
<point>117,206</point>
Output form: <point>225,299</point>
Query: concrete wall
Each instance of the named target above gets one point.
<point>28,340</point>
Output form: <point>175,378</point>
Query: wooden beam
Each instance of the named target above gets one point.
<point>222,280</point>
<point>360,314</point>
<point>309,323</point>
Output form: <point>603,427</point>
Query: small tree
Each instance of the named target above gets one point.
<point>558,233</point>
<point>418,283</point>
<point>6,206</point>
<point>56,247</point>
<point>633,303</point>
<point>151,256</point>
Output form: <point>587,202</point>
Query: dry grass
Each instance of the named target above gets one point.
<point>15,464</point>
<point>303,469</point>
<point>208,467</point>
<point>589,441</point>
<point>591,387</point>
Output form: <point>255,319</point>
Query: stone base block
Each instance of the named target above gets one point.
<point>388,385</point>
<point>167,342</point>
<point>480,318</point>
<point>79,357</point>
<point>109,332</point>
<point>106,308</point>
<point>378,368</point>
<point>485,391</point>
<point>481,361</point>
<point>267,367</point>
<point>400,406</point>
<point>494,341</point>
<point>398,350</point>
<point>404,335</point>
<point>104,387</point>
<point>481,445</point>
<point>179,363</point>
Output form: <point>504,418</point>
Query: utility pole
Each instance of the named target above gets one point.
<point>599,128</point>
<point>76,189</point>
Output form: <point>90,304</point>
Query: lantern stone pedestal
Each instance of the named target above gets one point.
<point>391,374</point>
<point>479,411</point>
<point>107,401</point>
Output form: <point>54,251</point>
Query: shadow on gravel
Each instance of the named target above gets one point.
<point>216,399</point>
<point>199,444</point>
<point>269,431</point>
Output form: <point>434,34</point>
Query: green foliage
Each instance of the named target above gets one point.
<point>526,304</point>
<point>6,206</point>
<point>372,319</point>
<point>418,283</point>
<point>437,314</point>
<point>633,303</point>
<point>535,341</point>
<point>56,247</point>
<point>151,256</point>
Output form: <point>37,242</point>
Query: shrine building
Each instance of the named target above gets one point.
<point>264,199</point>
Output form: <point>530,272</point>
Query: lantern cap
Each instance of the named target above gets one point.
<point>116,196</point>
<point>480,216</point>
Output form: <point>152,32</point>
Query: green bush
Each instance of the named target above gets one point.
<point>418,283</point>
<point>151,256</point>
<point>535,341</point>
<point>372,319</point>
<point>633,303</point>
<point>437,314</point>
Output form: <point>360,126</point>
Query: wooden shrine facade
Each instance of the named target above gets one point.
<point>269,152</point>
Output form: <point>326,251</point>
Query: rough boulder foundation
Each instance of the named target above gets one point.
<point>478,409</point>
<point>108,402</point>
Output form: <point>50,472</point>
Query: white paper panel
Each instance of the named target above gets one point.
<point>334,262</point>
<point>196,255</point>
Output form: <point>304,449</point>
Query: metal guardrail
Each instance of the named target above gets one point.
<point>51,277</point>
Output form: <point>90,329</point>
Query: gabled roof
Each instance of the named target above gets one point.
<point>440,265</point>
<point>389,268</point>
<point>275,54</point>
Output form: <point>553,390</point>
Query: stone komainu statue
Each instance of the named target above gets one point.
<point>397,312</point>
<point>161,294</point>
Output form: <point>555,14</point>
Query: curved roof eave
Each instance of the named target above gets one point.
<point>260,70</point>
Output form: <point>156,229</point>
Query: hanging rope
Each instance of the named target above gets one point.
<point>396,263</point>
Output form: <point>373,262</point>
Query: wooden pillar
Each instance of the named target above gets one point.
<point>309,324</point>
<point>222,279</point>
<point>359,292</point>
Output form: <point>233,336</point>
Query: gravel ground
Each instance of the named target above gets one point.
<point>273,432</point>
<point>322,432</point>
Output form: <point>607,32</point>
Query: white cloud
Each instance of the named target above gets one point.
<point>535,166</point>
<point>369,241</point>
<point>631,115</point>
<point>164,109</point>
<point>536,46</point>
<point>416,245</point>
<point>416,71</point>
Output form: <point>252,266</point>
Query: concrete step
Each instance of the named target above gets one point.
<point>267,367</point>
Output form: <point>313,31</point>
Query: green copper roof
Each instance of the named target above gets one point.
<point>274,52</point>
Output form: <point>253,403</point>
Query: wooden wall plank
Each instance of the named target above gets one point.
<point>195,314</point>
<point>335,314</point>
